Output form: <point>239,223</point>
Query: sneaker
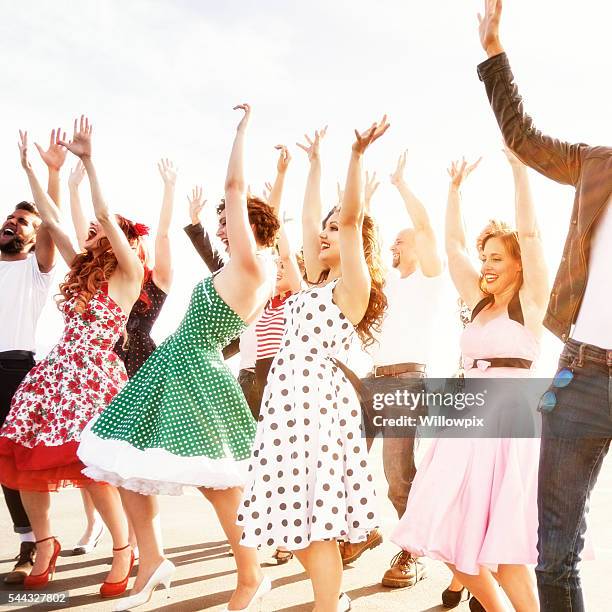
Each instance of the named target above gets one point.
<point>405,571</point>
<point>24,565</point>
<point>352,552</point>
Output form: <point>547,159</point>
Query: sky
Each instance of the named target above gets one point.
<point>159,78</point>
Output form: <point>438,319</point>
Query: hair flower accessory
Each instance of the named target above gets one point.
<point>141,229</point>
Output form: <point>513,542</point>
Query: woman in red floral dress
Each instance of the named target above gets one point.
<point>79,377</point>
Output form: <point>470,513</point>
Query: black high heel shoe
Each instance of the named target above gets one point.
<point>451,599</point>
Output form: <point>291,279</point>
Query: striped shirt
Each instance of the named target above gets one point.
<point>271,327</point>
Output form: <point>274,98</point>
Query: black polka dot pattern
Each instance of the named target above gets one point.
<point>140,345</point>
<point>313,485</point>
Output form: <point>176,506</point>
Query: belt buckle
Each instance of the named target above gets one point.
<point>376,375</point>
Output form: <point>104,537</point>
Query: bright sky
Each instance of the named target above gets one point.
<point>159,78</point>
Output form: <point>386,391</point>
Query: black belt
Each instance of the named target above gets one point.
<point>398,368</point>
<point>16,355</point>
<point>500,362</point>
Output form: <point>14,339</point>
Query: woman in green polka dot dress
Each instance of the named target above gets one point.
<point>182,420</point>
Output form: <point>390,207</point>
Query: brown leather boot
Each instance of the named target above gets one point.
<point>405,571</point>
<point>352,552</point>
<point>23,567</point>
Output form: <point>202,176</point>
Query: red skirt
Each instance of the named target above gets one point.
<point>41,468</point>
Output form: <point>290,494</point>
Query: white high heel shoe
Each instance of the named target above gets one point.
<point>161,576</point>
<point>265,586</point>
<point>344,604</point>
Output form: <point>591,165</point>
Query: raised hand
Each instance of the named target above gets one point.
<point>459,171</point>
<point>76,175</point>
<point>488,27</point>
<point>371,185</point>
<point>23,150</point>
<point>55,155</point>
<point>397,178</point>
<point>312,148</point>
<point>196,204</point>
<point>340,193</point>
<point>167,171</point>
<point>366,138</point>
<point>80,145</point>
<point>267,192</point>
<point>245,118</point>
<point>283,159</point>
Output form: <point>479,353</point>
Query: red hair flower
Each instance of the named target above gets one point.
<point>140,229</point>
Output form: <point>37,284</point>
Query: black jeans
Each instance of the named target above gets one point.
<point>398,452</point>
<point>575,439</point>
<point>12,372</point>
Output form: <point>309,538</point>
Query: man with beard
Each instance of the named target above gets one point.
<point>25,278</point>
<point>413,291</point>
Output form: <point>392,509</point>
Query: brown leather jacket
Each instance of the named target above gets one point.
<point>588,169</point>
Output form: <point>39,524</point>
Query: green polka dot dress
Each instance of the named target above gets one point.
<point>182,420</point>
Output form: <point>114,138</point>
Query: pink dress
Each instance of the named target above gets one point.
<point>474,501</point>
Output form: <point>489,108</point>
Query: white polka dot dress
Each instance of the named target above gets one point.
<point>182,420</point>
<point>308,477</point>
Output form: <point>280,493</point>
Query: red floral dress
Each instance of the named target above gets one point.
<point>59,396</point>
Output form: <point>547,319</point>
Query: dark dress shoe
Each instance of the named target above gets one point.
<point>451,599</point>
<point>24,565</point>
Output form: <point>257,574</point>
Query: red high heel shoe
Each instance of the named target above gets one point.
<point>112,589</point>
<point>37,581</point>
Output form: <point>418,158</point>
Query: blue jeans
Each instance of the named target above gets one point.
<point>576,436</point>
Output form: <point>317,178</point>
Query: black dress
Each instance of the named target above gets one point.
<point>139,344</point>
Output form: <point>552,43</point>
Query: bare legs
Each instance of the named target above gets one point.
<point>106,500</point>
<point>226,502</point>
<point>323,564</point>
<point>92,517</point>
<point>519,585</point>
<point>37,506</point>
<point>143,513</point>
<point>516,580</point>
<point>108,504</point>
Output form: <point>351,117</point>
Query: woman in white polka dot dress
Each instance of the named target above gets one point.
<point>182,419</point>
<point>309,485</point>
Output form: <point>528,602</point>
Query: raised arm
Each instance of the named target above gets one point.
<point>289,261</point>
<point>197,235</point>
<point>370,187</point>
<point>81,227</point>
<point>49,213</point>
<point>555,159</point>
<point>535,288</point>
<point>425,238</point>
<point>243,247</point>
<point>162,272</point>
<point>128,265</point>
<point>276,192</point>
<point>463,273</point>
<point>311,211</point>
<point>352,293</point>
<point>54,158</point>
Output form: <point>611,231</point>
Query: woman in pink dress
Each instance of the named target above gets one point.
<point>473,501</point>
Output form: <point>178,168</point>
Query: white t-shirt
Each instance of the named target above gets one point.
<point>407,329</point>
<point>594,321</point>
<point>23,291</point>
<point>248,347</point>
